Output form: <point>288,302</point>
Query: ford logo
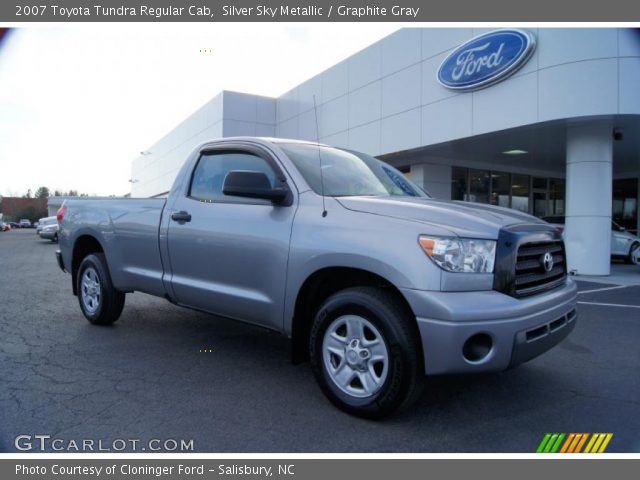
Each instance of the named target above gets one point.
<point>486,59</point>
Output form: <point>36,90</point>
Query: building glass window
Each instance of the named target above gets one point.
<point>540,203</point>
<point>556,196</point>
<point>625,203</point>
<point>539,183</point>
<point>500,188</point>
<point>459,183</point>
<point>520,192</point>
<point>479,181</point>
<point>538,195</point>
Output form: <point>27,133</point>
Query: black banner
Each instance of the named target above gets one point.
<point>317,11</point>
<point>312,469</point>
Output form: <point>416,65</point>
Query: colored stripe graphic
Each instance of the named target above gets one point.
<point>590,444</point>
<point>556,445</point>
<point>598,443</point>
<point>574,442</point>
<point>551,443</point>
<point>543,443</point>
<point>570,439</point>
<point>604,445</point>
<point>581,442</point>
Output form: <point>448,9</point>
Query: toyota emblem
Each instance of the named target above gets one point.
<point>547,261</point>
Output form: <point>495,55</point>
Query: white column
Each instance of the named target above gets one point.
<point>434,178</point>
<point>589,191</point>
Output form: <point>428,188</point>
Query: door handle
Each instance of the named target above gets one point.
<point>181,217</point>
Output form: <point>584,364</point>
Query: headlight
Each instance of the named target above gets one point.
<point>454,254</point>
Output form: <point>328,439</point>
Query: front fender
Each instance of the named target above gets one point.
<point>387,247</point>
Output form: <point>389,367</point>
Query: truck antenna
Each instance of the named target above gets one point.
<point>315,111</point>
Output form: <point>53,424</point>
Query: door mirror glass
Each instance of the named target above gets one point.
<point>251,184</point>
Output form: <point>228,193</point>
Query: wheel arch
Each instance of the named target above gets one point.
<point>319,286</point>
<point>84,245</point>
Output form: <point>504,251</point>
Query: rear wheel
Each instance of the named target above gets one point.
<point>365,352</point>
<point>99,301</point>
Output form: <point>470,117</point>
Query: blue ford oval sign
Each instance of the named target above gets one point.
<point>486,59</point>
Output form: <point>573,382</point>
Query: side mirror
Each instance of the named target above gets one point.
<point>249,184</point>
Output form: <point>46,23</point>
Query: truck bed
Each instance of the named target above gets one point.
<point>128,230</point>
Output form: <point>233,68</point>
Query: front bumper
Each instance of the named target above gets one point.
<point>59,260</point>
<point>519,329</point>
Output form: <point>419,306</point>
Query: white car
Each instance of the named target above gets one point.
<point>50,232</point>
<point>43,222</point>
<point>624,245</point>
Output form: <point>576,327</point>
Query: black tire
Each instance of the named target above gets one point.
<point>397,326</point>
<point>629,258</point>
<point>109,302</point>
<point>55,238</point>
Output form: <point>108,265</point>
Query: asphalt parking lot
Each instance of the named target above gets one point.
<point>152,376</point>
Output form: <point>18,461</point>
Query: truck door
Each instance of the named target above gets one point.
<point>228,255</point>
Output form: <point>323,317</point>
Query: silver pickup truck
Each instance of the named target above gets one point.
<point>375,282</point>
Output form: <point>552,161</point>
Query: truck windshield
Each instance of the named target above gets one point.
<point>347,173</point>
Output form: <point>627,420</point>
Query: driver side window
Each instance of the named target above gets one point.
<point>212,168</point>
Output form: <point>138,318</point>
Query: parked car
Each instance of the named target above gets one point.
<point>5,227</point>
<point>25,223</point>
<point>375,282</point>
<point>49,232</point>
<point>44,222</point>
<point>14,225</point>
<point>623,243</point>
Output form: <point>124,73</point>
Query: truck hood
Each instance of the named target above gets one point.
<point>465,219</point>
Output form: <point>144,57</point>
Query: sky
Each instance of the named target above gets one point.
<point>78,103</point>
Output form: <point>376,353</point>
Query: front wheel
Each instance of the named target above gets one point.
<point>633,254</point>
<point>365,352</point>
<point>99,301</point>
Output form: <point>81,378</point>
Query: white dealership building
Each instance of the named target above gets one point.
<point>546,121</point>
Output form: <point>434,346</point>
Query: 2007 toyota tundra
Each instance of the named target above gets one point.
<point>374,281</point>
